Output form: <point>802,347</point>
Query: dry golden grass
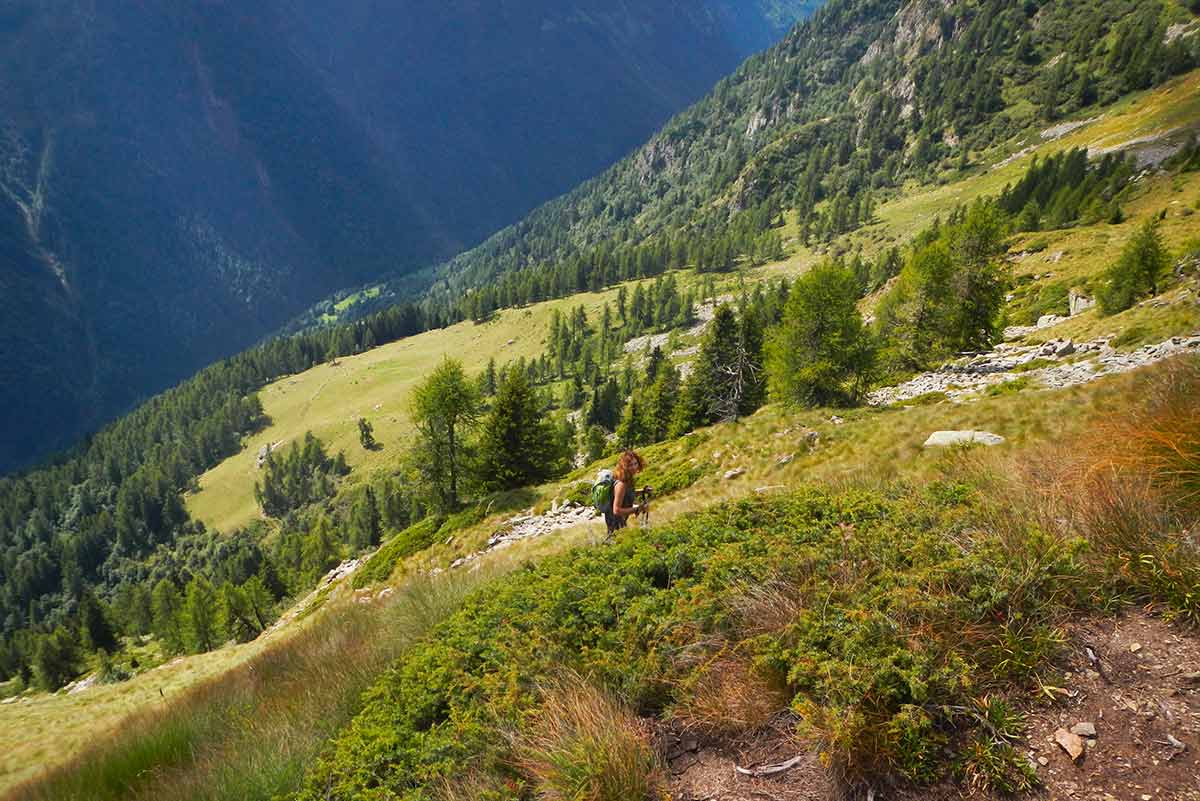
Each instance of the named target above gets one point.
<point>729,698</point>
<point>1160,440</point>
<point>1127,484</point>
<point>586,746</point>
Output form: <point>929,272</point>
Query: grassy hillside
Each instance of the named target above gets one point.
<point>866,98</point>
<point>872,103</point>
<point>871,445</point>
<point>867,448</point>
<point>329,400</point>
<point>442,711</point>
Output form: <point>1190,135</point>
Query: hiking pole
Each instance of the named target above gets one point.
<point>644,496</point>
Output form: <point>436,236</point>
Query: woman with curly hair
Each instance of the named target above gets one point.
<point>628,466</point>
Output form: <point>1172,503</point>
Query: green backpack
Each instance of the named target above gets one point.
<point>602,492</point>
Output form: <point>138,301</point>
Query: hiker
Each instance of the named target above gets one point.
<point>620,502</point>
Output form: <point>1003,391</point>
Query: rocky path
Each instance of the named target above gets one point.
<point>1070,363</point>
<point>528,526</point>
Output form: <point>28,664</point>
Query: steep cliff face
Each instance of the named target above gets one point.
<point>176,180</point>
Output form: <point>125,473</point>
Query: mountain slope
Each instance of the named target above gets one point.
<point>176,181</point>
<point>111,518</point>
<point>866,96</point>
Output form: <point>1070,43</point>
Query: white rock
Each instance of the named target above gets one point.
<point>83,685</point>
<point>941,439</point>
<point>734,473</point>
<point>1078,302</point>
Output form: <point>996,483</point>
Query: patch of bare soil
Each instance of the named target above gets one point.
<point>708,771</point>
<point>1133,705</point>
<point>1134,681</point>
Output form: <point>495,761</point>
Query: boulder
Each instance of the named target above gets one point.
<point>942,439</point>
<point>1079,302</point>
<point>735,473</point>
<point>1047,320</point>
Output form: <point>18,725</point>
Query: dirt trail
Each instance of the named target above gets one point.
<point>708,771</point>
<point>1140,693</point>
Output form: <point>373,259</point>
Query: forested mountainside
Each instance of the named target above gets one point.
<point>866,95</point>
<point>177,180</point>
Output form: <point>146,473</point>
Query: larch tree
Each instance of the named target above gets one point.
<point>821,353</point>
<point>445,409</point>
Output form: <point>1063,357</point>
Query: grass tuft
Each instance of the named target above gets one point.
<point>729,698</point>
<point>586,746</point>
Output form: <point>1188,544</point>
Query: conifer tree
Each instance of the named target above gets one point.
<point>366,434</point>
<point>631,430</point>
<point>519,445</point>
<point>168,615</point>
<point>950,292</point>
<point>595,443</point>
<point>605,407</point>
<point>56,659</point>
<point>661,399</point>
<point>747,378</point>
<point>259,601</point>
<point>200,614</point>
<point>233,614</point>
<point>139,612</point>
<point>820,354</point>
<point>365,525</point>
<point>95,628</point>
<point>980,279</point>
<point>488,386</point>
<point>727,380</point>
<point>653,363</point>
<point>318,552</point>
<point>445,409</point>
<point>1140,271</point>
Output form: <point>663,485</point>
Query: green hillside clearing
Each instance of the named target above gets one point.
<point>328,400</point>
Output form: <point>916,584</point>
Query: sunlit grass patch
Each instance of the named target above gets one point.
<point>583,745</point>
<point>252,732</point>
